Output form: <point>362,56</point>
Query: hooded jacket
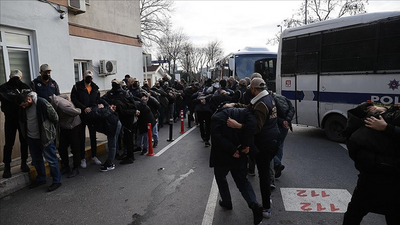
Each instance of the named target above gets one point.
<point>68,114</point>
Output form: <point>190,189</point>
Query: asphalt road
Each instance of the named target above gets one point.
<point>176,187</point>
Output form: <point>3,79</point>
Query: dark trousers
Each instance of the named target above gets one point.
<point>377,194</point>
<point>92,135</point>
<point>11,125</point>
<point>239,173</point>
<point>70,137</point>
<point>204,119</point>
<point>263,158</point>
<point>128,142</point>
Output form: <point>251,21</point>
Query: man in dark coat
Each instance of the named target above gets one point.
<point>228,154</point>
<point>372,140</point>
<point>44,85</point>
<point>85,94</point>
<point>8,92</point>
<point>127,110</point>
<point>266,136</point>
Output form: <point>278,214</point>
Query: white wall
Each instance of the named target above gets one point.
<point>50,36</point>
<point>129,58</point>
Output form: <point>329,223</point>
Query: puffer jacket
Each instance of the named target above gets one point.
<point>285,110</point>
<point>47,118</point>
<point>68,114</point>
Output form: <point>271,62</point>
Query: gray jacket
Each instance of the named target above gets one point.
<point>68,114</point>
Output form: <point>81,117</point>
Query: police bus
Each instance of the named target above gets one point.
<point>328,67</point>
<point>245,62</point>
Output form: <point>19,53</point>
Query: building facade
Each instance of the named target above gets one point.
<point>71,36</point>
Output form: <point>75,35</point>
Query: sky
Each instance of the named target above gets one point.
<point>237,24</point>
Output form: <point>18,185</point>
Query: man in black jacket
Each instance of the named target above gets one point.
<point>229,151</point>
<point>8,92</point>
<point>127,111</point>
<point>44,85</point>
<point>374,148</point>
<point>85,94</point>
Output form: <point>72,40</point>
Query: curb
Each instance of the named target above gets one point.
<point>20,180</point>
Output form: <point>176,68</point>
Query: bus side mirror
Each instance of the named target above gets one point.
<point>231,64</point>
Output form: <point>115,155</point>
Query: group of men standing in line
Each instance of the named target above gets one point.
<point>42,116</point>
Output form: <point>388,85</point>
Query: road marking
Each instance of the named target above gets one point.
<point>174,142</point>
<point>212,202</point>
<point>344,146</point>
<point>315,199</point>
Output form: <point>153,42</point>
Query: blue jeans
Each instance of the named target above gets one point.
<point>155,133</point>
<point>239,173</point>
<point>112,143</point>
<point>279,155</point>
<point>37,151</point>
<point>142,140</point>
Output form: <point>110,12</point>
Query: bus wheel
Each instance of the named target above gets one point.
<point>334,127</point>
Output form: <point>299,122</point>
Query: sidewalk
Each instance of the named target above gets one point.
<point>20,180</point>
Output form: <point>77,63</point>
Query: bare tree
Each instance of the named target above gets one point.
<point>213,52</point>
<point>154,20</point>
<point>199,59</point>
<point>320,10</point>
<point>171,46</point>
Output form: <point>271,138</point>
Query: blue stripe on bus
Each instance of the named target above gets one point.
<point>343,97</point>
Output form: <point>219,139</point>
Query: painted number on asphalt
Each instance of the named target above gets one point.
<point>315,199</point>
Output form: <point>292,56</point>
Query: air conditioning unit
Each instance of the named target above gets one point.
<point>107,67</point>
<point>78,6</point>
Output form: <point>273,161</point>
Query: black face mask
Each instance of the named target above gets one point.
<point>115,86</point>
<point>14,81</point>
<point>45,77</point>
<point>88,79</point>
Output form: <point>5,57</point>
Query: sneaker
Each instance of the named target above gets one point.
<point>37,184</point>
<point>53,187</point>
<point>105,168</point>
<point>224,205</point>
<point>257,213</point>
<point>127,160</point>
<point>73,173</point>
<point>207,144</point>
<point>96,161</point>
<point>266,213</point>
<point>83,163</point>
<point>144,151</point>
<point>251,173</point>
<point>155,144</point>
<point>272,186</point>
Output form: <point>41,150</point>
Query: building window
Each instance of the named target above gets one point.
<point>80,67</point>
<point>15,53</point>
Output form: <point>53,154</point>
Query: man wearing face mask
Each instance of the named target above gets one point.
<point>44,85</point>
<point>8,93</point>
<point>85,94</point>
